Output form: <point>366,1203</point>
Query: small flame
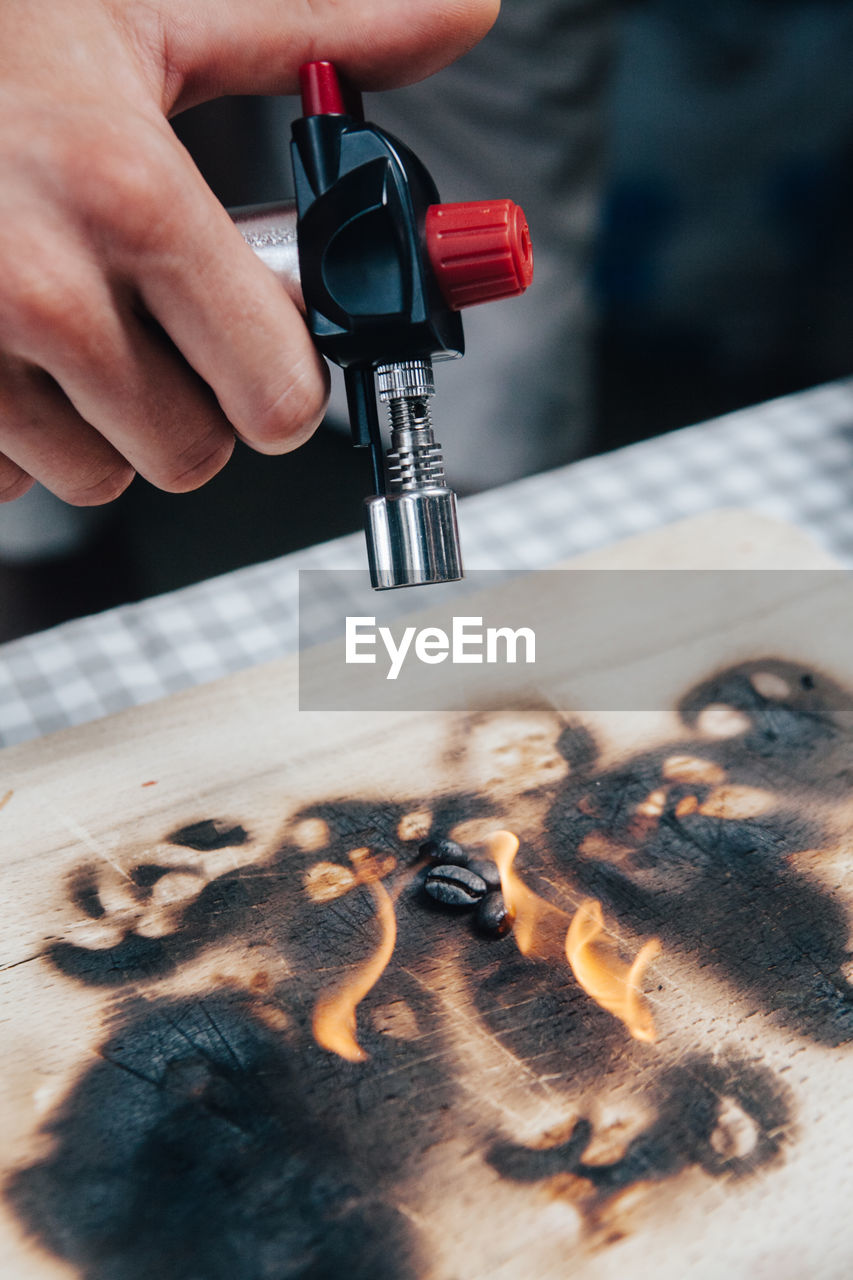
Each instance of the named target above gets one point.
<point>608,980</point>
<point>334,1022</point>
<point>526,907</point>
<point>611,983</point>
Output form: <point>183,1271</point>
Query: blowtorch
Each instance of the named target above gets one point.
<point>381,270</point>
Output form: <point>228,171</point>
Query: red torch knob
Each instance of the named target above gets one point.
<point>479,250</point>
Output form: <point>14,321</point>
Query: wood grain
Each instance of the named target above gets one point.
<point>166,1111</point>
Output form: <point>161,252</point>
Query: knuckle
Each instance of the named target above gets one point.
<point>132,194</point>
<point>119,170</point>
<point>44,303</point>
<point>196,464</point>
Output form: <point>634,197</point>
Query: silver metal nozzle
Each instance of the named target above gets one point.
<point>412,539</point>
<point>412,535</point>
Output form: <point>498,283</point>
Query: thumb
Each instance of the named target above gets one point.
<point>229,47</point>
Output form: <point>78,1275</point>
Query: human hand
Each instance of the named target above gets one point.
<point>138,332</point>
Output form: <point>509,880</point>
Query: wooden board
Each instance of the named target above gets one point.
<point>166,938</point>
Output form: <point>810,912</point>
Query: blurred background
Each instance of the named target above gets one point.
<point>687,172</point>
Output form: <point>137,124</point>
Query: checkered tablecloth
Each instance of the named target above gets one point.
<point>791,458</point>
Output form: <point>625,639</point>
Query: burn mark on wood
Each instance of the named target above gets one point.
<point>796,723</point>
<point>726,1117</point>
<point>146,874</point>
<point>249,900</point>
<point>721,890</point>
<point>661,853</point>
<point>209,834</point>
<point>531,1164</point>
<point>83,892</point>
<point>192,1149</point>
<point>233,1146</point>
<point>542,1016</point>
<point>133,959</point>
<point>577,745</point>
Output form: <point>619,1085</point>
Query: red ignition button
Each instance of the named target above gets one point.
<point>324,94</point>
<point>479,250</point>
<point>321,90</point>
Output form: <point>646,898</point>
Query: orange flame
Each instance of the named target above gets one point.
<point>608,980</point>
<point>527,909</point>
<point>334,1022</point>
<point>611,983</point>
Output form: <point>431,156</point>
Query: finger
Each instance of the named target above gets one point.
<point>122,376</point>
<point>223,309</point>
<point>159,232</point>
<point>44,438</point>
<point>377,43</point>
<point>125,380</point>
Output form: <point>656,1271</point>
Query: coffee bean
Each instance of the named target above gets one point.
<point>454,886</point>
<point>493,915</point>
<point>486,870</point>
<point>444,851</point>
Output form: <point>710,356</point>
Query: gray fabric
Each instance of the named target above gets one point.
<point>791,459</point>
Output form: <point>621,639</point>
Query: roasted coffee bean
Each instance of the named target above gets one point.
<point>493,915</point>
<point>444,851</point>
<point>486,870</point>
<point>454,886</point>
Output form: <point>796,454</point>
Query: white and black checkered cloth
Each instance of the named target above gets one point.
<point>791,458</point>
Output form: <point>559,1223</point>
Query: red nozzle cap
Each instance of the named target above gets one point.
<point>479,250</point>
<point>324,95</point>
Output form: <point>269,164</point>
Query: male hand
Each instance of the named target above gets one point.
<point>138,332</point>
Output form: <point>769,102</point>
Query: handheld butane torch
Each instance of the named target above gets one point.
<point>382,270</point>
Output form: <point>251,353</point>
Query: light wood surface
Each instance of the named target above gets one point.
<point>166,1111</point>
